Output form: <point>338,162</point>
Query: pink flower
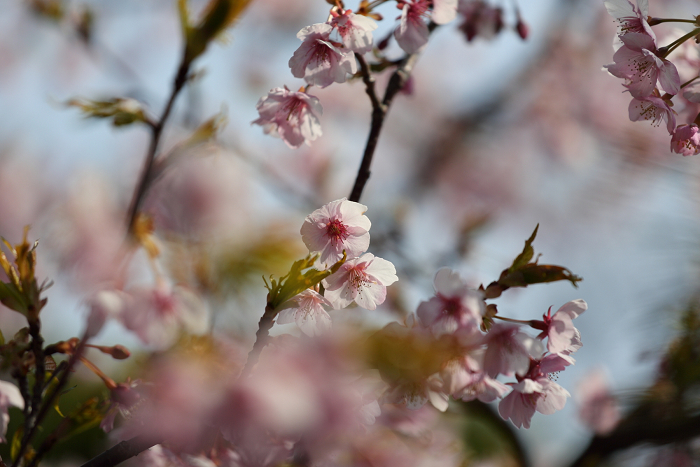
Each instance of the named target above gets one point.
<point>653,108</point>
<point>637,62</point>
<point>337,226</point>
<point>598,408</point>
<point>318,60</point>
<point>530,396</point>
<point>444,11</point>
<point>361,280</point>
<point>9,397</point>
<point>480,19</point>
<point>414,395</point>
<point>354,30</point>
<point>559,329</point>
<point>483,388</point>
<point>412,33</point>
<point>293,116</point>
<point>509,350</point>
<point>631,18</point>
<point>308,311</point>
<point>158,315</point>
<point>686,140</point>
<point>454,305</point>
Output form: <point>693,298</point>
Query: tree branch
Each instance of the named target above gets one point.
<point>261,336</point>
<point>122,451</point>
<point>156,132</point>
<point>379,110</point>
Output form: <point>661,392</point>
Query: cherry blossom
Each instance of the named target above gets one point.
<point>293,116</point>
<point>631,18</point>
<point>530,396</point>
<point>319,61</point>
<point>361,280</point>
<point>414,395</point>
<point>636,61</point>
<point>559,329</point>
<point>308,311</point>
<point>157,315</point>
<point>686,140</point>
<point>509,350</point>
<point>412,33</point>
<point>654,108</point>
<point>9,397</point>
<point>454,305</point>
<point>336,227</point>
<point>354,30</point>
<point>598,408</point>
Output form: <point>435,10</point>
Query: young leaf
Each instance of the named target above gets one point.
<point>528,252</point>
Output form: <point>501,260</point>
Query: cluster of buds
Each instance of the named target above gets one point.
<point>647,72</point>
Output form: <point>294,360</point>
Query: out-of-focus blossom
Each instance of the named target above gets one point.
<point>655,109</point>
<point>157,315</point>
<point>9,397</point>
<point>686,140</point>
<point>414,395</point>
<point>509,350</point>
<point>631,18</point>
<point>559,329</point>
<point>337,226</point>
<point>454,305</point>
<point>530,396</point>
<point>480,19</point>
<point>318,61</point>
<point>123,397</point>
<point>309,311</point>
<point>412,33</point>
<point>636,61</point>
<point>293,116</point>
<point>598,408</point>
<point>104,304</point>
<point>354,30</point>
<point>361,280</point>
<point>483,388</point>
<point>158,456</point>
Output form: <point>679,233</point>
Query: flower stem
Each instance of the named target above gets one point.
<point>511,320</point>
<point>673,45</point>
<point>655,21</point>
<point>689,81</point>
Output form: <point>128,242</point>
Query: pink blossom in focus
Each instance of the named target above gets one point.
<point>320,62</point>
<point>686,140</point>
<point>509,350</point>
<point>631,18</point>
<point>309,311</point>
<point>291,115</point>
<point>655,109</point>
<point>412,33</point>
<point>453,307</point>
<point>559,329</point>
<point>354,30</point>
<point>9,397</point>
<point>636,62</point>
<point>361,280</point>
<point>337,226</point>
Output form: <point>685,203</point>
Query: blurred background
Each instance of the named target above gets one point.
<point>494,137</point>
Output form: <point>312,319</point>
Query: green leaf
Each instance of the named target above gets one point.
<point>297,281</point>
<point>16,442</point>
<point>534,273</point>
<point>528,252</point>
<point>122,111</point>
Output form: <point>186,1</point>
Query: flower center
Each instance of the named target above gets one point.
<point>337,232</point>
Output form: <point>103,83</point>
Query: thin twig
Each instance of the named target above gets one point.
<point>379,110</point>
<point>156,132</point>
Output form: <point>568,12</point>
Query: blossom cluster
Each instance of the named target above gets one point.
<point>652,80</point>
<point>327,55</point>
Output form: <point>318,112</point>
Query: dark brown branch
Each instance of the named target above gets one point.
<point>261,336</point>
<point>379,110</point>
<point>49,401</point>
<point>636,429</point>
<point>122,451</point>
<point>156,132</point>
